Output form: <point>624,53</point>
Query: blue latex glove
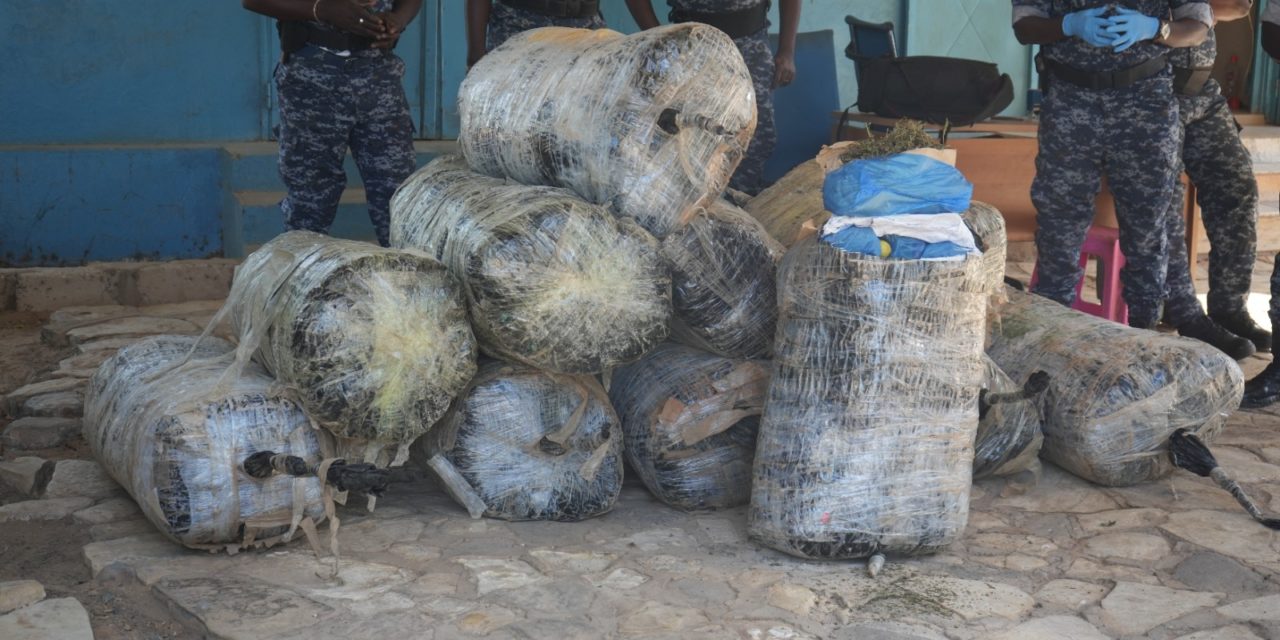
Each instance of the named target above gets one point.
<point>1130,27</point>
<point>1090,26</point>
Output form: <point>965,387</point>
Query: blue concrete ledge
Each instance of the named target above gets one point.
<point>66,205</point>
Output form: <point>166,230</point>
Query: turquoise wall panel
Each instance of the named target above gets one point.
<point>88,71</point>
<point>72,204</point>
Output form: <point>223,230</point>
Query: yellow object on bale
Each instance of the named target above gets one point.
<point>550,280</point>
<point>652,124</point>
<point>373,342</point>
<point>523,444</point>
<point>724,283</point>
<point>866,445</point>
<point>1115,394</point>
<point>175,439</point>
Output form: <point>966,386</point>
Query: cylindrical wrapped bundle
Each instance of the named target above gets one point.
<point>1009,436</point>
<point>1115,394</point>
<point>792,208</point>
<point>651,124</point>
<point>550,281</point>
<point>690,420</point>
<point>523,444</point>
<point>175,440</point>
<point>374,342</point>
<point>988,228</point>
<point>724,283</point>
<point>866,445</point>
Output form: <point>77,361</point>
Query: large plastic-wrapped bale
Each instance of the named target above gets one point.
<point>791,208</point>
<point>175,439</point>
<point>690,420</point>
<point>524,444</point>
<point>651,124</point>
<point>550,280</point>
<point>988,229</point>
<point>1009,438</point>
<point>1115,394</point>
<point>374,342</point>
<point>724,283</point>
<point>866,445</point>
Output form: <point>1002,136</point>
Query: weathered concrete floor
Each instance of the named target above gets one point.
<point>1064,559</point>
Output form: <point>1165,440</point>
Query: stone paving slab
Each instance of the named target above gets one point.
<point>57,619</point>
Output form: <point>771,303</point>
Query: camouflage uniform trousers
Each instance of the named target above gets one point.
<point>1221,168</point>
<point>505,22</point>
<point>749,177</point>
<point>1132,136</point>
<point>329,103</point>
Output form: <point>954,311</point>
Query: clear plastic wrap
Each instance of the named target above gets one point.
<point>1116,394</point>
<point>523,444</point>
<point>1009,437</point>
<point>988,228</point>
<point>550,281</point>
<point>866,445</point>
<point>690,420</point>
<point>651,124</point>
<point>792,208</point>
<point>724,283</point>
<point>175,441</point>
<point>374,342</point>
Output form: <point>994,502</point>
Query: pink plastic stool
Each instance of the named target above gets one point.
<point>1103,243</point>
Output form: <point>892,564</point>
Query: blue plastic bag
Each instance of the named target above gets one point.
<point>907,248</point>
<point>855,240</point>
<point>895,185</point>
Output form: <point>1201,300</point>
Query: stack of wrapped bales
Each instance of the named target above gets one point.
<point>562,130</point>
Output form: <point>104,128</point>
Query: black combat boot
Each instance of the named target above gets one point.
<point>1242,325</point>
<point>1206,330</point>
<point>1263,389</point>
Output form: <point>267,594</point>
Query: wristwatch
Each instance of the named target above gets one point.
<point>1166,29</point>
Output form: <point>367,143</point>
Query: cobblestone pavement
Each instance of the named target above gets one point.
<point>1062,559</point>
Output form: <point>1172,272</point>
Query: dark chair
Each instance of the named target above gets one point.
<point>868,41</point>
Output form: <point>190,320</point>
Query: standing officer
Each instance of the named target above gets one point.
<point>490,23</point>
<point>1222,171</point>
<point>340,87</point>
<point>1264,389</point>
<point>747,22</point>
<point>1109,110</point>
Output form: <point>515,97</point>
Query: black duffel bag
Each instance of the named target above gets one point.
<point>933,89</point>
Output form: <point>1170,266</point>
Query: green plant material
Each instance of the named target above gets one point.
<point>904,136</point>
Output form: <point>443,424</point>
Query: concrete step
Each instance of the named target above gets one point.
<point>251,166</point>
<point>254,218</point>
<point>1263,143</point>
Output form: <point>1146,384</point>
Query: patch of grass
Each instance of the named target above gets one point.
<point>904,136</point>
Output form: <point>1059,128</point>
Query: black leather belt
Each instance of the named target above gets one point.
<point>296,35</point>
<point>558,8</point>
<point>738,24</point>
<point>1188,81</point>
<point>1107,79</point>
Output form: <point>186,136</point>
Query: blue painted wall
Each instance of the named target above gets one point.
<point>112,114</point>
<point>73,204</point>
<point>92,71</point>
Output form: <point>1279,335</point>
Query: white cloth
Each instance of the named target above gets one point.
<point>929,227</point>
